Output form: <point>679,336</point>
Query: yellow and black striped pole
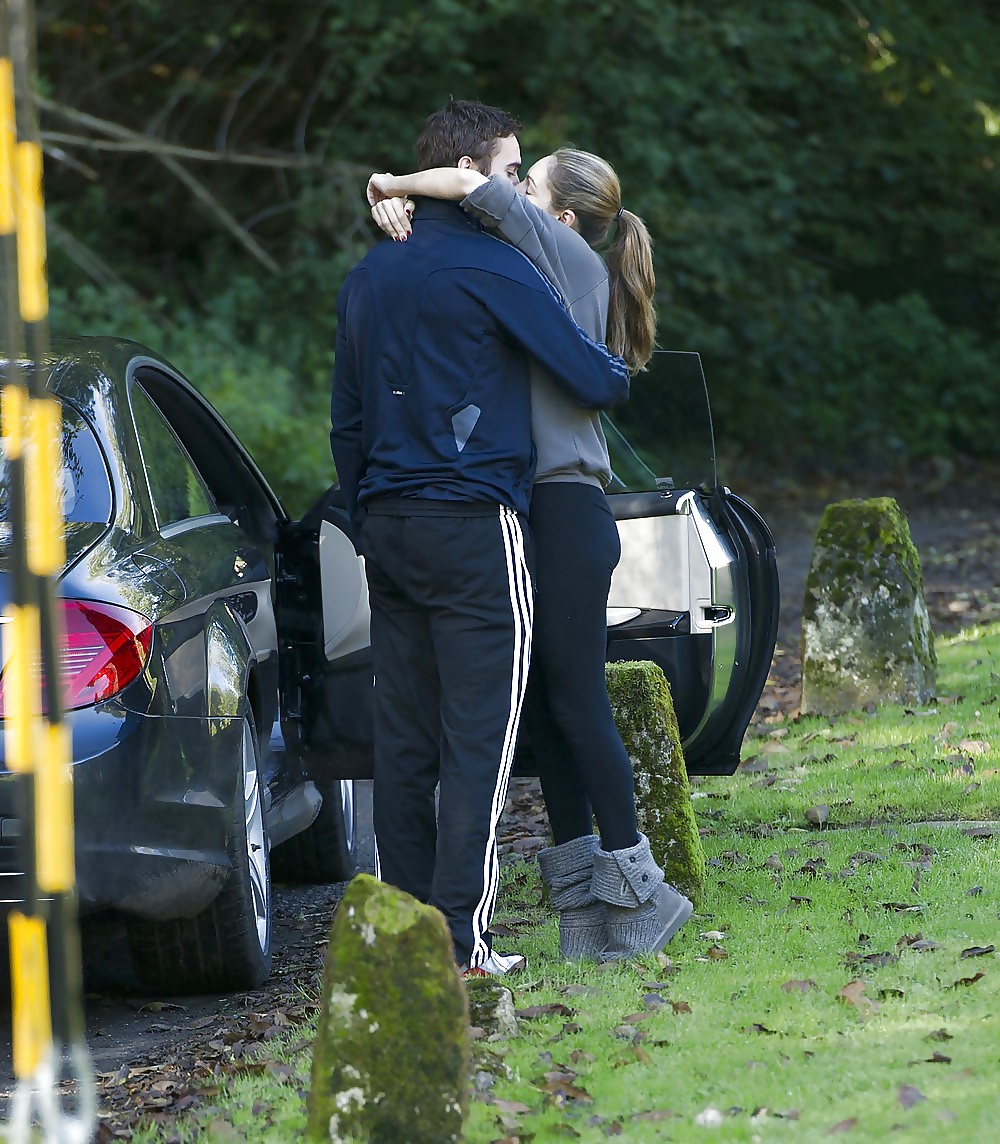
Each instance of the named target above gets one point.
<point>46,981</point>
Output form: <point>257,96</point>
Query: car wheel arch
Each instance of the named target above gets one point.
<point>229,661</point>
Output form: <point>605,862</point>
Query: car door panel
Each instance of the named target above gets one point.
<point>324,618</point>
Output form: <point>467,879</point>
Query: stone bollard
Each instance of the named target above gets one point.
<point>866,635</point>
<point>644,713</point>
<point>391,1058</point>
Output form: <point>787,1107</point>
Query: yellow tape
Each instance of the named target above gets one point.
<point>13,403</point>
<point>8,137</point>
<point>29,978</point>
<point>21,645</point>
<point>54,865</point>
<point>46,546</point>
<point>30,233</point>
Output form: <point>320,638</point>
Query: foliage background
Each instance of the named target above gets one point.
<point>821,177</point>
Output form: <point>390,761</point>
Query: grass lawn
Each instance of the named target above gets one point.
<point>838,980</point>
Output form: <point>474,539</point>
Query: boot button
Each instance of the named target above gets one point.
<point>645,877</point>
<point>632,860</point>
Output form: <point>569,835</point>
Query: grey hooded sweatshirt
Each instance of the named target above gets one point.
<point>569,440</point>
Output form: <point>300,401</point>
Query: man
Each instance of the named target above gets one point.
<point>431,438</point>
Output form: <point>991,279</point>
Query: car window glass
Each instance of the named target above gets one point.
<point>86,498</point>
<point>82,480</point>
<point>663,435</point>
<point>175,485</point>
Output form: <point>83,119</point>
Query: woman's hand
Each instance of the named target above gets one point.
<point>392,216</point>
<point>380,187</point>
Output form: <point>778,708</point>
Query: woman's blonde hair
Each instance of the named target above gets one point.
<point>588,186</point>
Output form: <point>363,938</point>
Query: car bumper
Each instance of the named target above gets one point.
<point>153,807</point>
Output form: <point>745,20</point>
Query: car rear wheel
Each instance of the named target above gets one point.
<point>326,851</point>
<point>228,945</point>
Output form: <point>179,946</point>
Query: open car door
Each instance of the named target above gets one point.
<point>696,590</point>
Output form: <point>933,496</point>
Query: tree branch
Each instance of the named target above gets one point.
<point>195,186</point>
<point>146,144</point>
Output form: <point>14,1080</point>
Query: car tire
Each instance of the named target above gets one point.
<point>325,851</point>
<point>227,946</point>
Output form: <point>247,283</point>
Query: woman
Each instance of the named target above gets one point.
<point>609,892</point>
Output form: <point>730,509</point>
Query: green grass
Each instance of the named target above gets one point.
<point>892,765</point>
<point>696,1031</point>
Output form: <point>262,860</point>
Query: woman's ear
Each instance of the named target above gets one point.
<point>568,217</point>
<point>465,163</point>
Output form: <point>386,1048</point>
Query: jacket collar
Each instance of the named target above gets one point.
<point>446,212</point>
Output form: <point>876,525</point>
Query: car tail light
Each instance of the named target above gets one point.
<point>104,648</point>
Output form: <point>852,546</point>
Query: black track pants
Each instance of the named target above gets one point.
<point>451,602</point>
<point>584,768</point>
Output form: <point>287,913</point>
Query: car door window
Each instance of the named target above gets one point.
<point>83,484</point>
<point>175,485</point>
<point>662,437</point>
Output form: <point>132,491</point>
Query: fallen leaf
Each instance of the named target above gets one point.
<point>561,1093</point>
<point>936,1059</point>
<point>925,946</point>
<point>753,765</point>
<point>635,1018</point>
<point>878,960</point>
<point>798,986</point>
<point>909,1095</point>
<point>655,1114</point>
<point>978,951</point>
<point>763,1030</point>
<point>974,747</point>
<point>510,1107</point>
<point>939,1035</point>
<point>902,907</point>
<point>716,953</point>
<point>974,892</point>
<point>680,1006</point>
<point>853,993</point>
<point>969,980</point>
<point>817,815</point>
<point>843,1126</point>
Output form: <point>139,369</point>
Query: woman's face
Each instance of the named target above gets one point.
<point>536,184</point>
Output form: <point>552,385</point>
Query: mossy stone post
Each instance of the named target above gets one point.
<point>866,635</point>
<point>644,713</point>
<point>391,1058</point>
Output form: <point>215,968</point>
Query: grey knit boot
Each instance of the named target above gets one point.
<point>643,911</point>
<point>567,871</point>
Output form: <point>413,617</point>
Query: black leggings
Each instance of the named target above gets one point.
<point>584,769</point>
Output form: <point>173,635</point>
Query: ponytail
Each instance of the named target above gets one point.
<point>588,186</point>
<point>631,313</point>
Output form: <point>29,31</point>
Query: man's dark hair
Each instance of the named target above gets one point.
<point>463,127</point>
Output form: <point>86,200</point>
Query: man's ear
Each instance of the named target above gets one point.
<point>568,217</point>
<point>465,163</point>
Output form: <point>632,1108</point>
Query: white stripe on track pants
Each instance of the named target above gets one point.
<point>451,601</point>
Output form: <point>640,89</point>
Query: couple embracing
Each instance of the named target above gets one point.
<point>472,362</point>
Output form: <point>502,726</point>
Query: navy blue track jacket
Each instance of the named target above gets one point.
<point>431,396</point>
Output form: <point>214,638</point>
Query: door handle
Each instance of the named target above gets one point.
<point>718,614</point>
